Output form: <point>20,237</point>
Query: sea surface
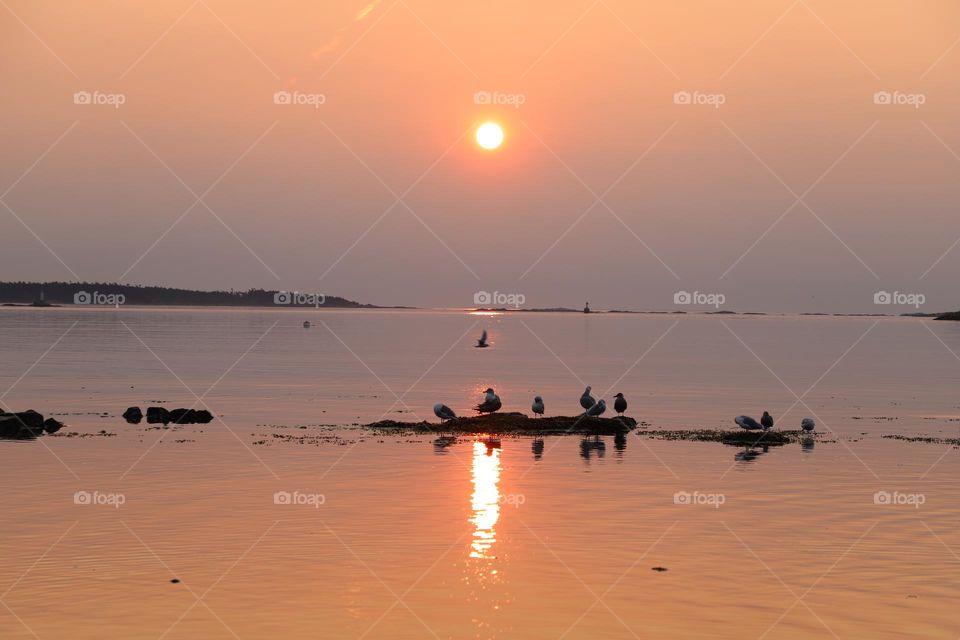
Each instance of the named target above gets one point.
<point>284,518</point>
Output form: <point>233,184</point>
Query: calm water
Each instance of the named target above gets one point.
<point>415,541</point>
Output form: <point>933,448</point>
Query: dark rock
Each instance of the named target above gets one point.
<point>31,419</point>
<point>190,416</point>
<point>133,415</point>
<point>511,422</point>
<point>52,426</point>
<point>12,427</point>
<point>157,414</point>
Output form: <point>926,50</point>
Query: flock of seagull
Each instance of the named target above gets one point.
<point>592,407</point>
<point>492,403</point>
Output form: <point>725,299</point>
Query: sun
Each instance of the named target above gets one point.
<point>490,135</point>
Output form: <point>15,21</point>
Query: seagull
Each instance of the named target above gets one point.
<point>538,405</point>
<point>443,412</point>
<point>807,424</point>
<point>620,404</point>
<point>748,423</point>
<point>586,400</point>
<point>491,403</point>
<point>766,420</point>
<point>596,409</point>
<point>482,342</point>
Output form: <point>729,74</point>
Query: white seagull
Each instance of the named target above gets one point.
<point>620,404</point>
<point>807,424</point>
<point>482,342</point>
<point>443,412</point>
<point>586,400</point>
<point>538,407</point>
<point>491,403</point>
<point>597,409</point>
<point>748,423</point>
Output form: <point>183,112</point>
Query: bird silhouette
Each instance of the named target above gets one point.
<point>596,410</point>
<point>482,342</point>
<point>586,400</point>
<point>443,412</point>
<point>538,407</point>
<point>491,403</point>
<point>620,404</point>
<point>766,420</point>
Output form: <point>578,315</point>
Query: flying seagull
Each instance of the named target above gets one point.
<point>491,403</point>
<point>443,412</point>
<point>766,420</point>
<point>748,423</point>
<point>538,405</point>
<point>807,424</point>
<point>620,404</point>
<point>482,342</point>
<point>597,409</point>
<point>586,400</point>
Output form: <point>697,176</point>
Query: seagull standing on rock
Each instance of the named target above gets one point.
<point>748,423</point>
<point>807,424</point>
<point>586,400</point>
<point>491,403</point>
<point>766,420</point>
<point>443,412</point>
<point>620,404</point>
<point>597,409</point>
<point>538,407</point>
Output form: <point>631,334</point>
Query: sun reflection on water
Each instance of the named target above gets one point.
<point>485,500</point>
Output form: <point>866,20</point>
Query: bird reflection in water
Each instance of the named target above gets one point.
<point>485,501</point>
<point>590,445</point>
<point>537,448</point>
<point>620,443</point>
<point>440,444</point>
<point>749,454</point>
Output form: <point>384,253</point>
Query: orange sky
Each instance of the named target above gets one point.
<point>299,192</point>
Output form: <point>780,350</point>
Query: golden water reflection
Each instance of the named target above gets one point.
<point>485,500</point>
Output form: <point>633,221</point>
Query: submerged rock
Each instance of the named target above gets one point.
<point>157,415</point>
<point>519,423</point>
<point>26,425</point>
<point>737,438</point>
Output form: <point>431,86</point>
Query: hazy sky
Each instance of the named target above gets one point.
<point>786,186</point>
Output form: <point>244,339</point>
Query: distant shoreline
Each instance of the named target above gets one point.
<point>104,294</point>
